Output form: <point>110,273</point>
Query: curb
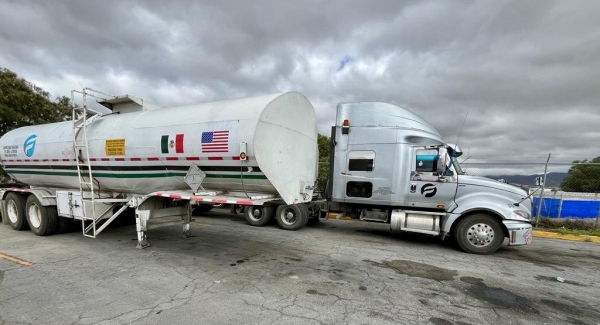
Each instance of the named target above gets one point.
<point>554,235</point>
<point>536,233</point>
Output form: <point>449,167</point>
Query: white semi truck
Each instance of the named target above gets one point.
<point>387,165</point>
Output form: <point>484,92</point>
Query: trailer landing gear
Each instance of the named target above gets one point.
<point>141,223</point>
<point>182,212</point>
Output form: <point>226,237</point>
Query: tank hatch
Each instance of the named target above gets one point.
<point>128,104</point>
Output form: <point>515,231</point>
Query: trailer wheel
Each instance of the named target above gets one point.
<point>291,217</point>
<point>201,208</point>
<point>314,213</point>
<point>64,225</point>
<point>479,234</point>
<point>15,211</point>
<point>41,219</point>
<point>306,212</point>
<point>257,215</point>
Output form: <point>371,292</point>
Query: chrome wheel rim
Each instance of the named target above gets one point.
<point>288,216</point>
<point>34,214</point>
<point>480,234</point>
<point>11,210</point>
<point>255,214</point>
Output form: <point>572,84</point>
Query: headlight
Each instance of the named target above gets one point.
<point>520,214</point>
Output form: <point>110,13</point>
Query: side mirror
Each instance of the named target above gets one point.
<point>443,161</point>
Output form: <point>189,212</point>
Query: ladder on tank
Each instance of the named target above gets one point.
<point>90,195</point>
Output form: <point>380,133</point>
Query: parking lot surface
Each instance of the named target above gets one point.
<point>335,272</point>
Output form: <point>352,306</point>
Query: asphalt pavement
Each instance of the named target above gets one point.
<point>335,272</point>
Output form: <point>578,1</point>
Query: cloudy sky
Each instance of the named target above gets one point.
<point>527,73</point>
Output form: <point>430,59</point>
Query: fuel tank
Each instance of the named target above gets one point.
<point>265,144</point>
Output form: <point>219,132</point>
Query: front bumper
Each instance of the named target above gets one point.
<point>519,232</point>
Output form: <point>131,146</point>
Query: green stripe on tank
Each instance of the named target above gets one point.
<point>131,175</point>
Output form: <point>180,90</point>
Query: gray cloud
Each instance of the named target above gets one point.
<point>526,72</point>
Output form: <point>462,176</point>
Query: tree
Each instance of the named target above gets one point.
<point>23,103</point>
<point>584,176</point>
<point>324,151</point>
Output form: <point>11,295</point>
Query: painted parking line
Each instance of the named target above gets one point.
<point>14,259</point>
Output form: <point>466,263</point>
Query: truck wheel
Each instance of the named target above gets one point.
<point>15,211</point>
<point>201,208</point>
<point>42,220</point>
<point>291,217</point>
<point>257,215</point>
<point>479,234</point>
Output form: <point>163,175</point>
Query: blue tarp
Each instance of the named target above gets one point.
<point>570,208</point>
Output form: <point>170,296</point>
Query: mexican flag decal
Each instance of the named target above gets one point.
<point>171,144</point>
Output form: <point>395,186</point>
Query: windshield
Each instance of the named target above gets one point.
<point>456,165</point>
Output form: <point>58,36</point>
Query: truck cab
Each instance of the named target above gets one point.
<point>390,165</point>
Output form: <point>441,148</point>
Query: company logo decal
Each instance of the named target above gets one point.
<point>29,145</point>
<point>428,190</point>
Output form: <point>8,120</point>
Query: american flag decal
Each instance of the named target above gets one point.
<point>215,141</point>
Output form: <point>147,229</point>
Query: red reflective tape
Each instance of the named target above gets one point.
<point>215,158</point>
<point>66,159</point>
<point>45,159</point>
<point>219,200</point>
<point>172,158</point>
<point>26,160</point>
<point>93,159</point>
<point>235,158</point>
<point>136,159</point>
<point>158,193</point>
<point>192,158</point>
<point>18,160</point>
<point>105,159</point>
<point>36,160</point>
<point>175,196</point>
<point>153,159</point>
<point>196,198</point>
<point>55,159</point>
<point>179,143</point>
<point>119,159</point>
<point>243,202</point>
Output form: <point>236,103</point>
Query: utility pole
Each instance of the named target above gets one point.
<point>539,207</point>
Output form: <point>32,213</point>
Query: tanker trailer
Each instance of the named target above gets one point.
<point>257,152</point>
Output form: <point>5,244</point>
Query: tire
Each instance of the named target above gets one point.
<point>42,220</point>
<point>64,225</point>
<point>257,215</point>
<point>306,212</point>
<point>15,211</point>
<point>313,221</point>
<point>202,208</point>
<point>479,234</point>
<point>291,217</point>
<point>314,213</point>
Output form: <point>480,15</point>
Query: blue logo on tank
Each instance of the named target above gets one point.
<point>29,145</point>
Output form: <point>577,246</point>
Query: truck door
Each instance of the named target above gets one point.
<point>431,184</point>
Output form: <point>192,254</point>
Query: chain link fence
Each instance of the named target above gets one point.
<point>560,190</point>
